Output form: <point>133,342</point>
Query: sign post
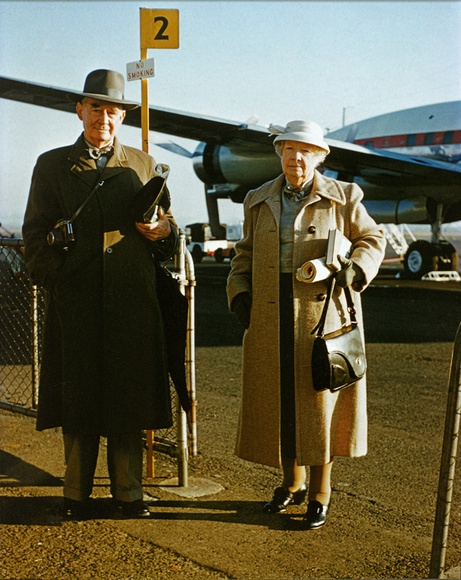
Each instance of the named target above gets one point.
<point>158,29</point>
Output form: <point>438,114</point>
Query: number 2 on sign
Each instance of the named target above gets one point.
<point>159,28</point>
<point>161,32</point>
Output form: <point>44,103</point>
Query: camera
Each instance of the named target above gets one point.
<point>62,235</point>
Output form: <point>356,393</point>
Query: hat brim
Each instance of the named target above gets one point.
<point>303,138</point>
<point>75,98</point>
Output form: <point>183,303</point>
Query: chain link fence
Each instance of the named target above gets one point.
<point>17,390</point>
<point>22,312</point>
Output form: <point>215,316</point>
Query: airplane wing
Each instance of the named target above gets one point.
<point>161,120</point>
<point>234,157</point>
<point>374,165</point>
<point>378,163</point>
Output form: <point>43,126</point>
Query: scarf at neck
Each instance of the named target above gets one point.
<point>96,152</point>
<point>298,193</point>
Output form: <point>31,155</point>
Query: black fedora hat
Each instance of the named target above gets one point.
<point>104,85</point>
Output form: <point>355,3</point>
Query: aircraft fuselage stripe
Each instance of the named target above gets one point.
<point>412,140</point>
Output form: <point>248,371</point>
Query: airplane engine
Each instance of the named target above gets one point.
<point>398,211</point>
<point>233,169</point>
<point>422,256</point>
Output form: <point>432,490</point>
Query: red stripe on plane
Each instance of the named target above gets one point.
<point>412,140</point>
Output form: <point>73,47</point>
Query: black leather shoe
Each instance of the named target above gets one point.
<point>283,498</point>
<point>316,515</point>
<point>75,510</point>
<point>132,509</point>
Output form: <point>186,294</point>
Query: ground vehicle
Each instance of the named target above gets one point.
<point>201,243</point>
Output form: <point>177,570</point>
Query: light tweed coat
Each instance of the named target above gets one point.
<point>327,424</point>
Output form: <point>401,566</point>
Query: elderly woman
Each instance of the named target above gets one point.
<point>283,421</point>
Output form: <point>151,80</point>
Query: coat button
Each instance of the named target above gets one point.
<point>109,250</point>
<point>321,297</point>
<point>311,229</point>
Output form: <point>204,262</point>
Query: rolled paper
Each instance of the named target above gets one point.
<point>313,271</point>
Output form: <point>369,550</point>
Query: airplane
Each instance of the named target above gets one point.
<point>407,162</point>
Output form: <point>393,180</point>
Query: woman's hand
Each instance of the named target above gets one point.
<point>155,231</point>
<point>350,274</point>
<point>241,307</point>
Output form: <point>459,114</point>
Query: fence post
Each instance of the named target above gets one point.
<point>181,417</point>
<point>190,354</point>
<point>35,345</point>
<point>448,463</point>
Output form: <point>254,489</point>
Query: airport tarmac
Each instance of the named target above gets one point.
<point>383,506</point>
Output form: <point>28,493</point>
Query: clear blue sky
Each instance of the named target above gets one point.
<point>278,60</point>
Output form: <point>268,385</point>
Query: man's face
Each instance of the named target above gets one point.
<point>298,162</point>
<point>101,120</point>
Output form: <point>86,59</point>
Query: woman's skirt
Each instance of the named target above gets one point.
<point>287,369</point>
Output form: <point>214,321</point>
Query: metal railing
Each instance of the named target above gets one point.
<point>447,463</point>
<point>22,311</point>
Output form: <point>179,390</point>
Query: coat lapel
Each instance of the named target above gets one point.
<point>323,187</point>
<point>270,194</point>
<point>84,167</point>
<point>328,188</point>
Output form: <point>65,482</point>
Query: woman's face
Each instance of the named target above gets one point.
<point>298,162</point>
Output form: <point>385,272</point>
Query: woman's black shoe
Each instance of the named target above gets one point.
<point>283,498</point>
<point>316,515</point>
<point>132,509</point>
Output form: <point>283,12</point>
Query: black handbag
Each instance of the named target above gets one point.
<point>338,358</point>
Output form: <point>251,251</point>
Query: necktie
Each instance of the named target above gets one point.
<point>102,160</point>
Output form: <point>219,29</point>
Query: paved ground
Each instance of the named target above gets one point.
<point>383,506</point>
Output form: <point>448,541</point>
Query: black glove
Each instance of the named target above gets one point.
<point>349,274</point>
<point>241,307</point>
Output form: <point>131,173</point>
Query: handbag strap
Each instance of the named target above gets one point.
<point>350,307</point>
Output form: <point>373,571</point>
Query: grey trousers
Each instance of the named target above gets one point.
<point>124,463</point>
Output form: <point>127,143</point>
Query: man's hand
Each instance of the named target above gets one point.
<point>350,274</point>
<point>155,231</point>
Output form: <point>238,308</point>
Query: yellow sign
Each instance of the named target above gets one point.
<point>159,28</point>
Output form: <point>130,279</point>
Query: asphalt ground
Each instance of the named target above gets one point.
<point>383,505</point>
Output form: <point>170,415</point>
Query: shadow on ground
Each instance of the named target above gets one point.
<point>15,472</point>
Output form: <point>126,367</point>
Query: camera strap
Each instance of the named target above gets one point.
<point>91,194</point>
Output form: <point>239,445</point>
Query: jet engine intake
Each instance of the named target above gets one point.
<point>243,166</point>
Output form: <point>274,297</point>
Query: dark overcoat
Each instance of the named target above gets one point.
<point>104,362</point>
<point>327,424</point>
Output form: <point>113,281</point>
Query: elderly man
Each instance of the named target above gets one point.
<point>104,365</point>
